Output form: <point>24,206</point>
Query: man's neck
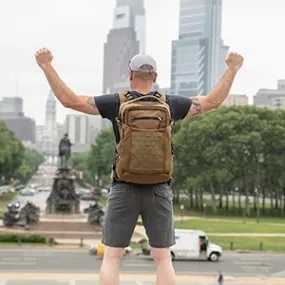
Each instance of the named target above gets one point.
<point>143,91</point>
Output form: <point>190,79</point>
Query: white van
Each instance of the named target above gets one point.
<point>194,244</point>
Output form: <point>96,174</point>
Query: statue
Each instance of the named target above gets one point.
<point>63,198</point>
<point>96,214</point>
<point>64,150</point>
<point>21,216</point>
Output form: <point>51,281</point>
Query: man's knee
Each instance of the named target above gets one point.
<point>113,253</point>
<point>160,254</point>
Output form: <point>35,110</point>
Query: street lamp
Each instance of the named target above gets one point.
<point>182,213</point>
<point>260,159</point>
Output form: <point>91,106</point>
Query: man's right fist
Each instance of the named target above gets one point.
<point>43,57</point>
<point>234,60</point>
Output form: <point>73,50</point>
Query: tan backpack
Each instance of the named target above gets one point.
<point>144,152</point>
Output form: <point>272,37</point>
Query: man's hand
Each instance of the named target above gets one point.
<point>84,104</point>
<point>44,57</point>
<point>202,104</point>
<point>234,60</point>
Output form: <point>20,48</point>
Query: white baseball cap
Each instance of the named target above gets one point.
<point>143,63</point>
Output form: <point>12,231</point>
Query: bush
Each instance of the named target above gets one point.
<point>13,238</point>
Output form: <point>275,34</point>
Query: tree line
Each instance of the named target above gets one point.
<point>230,160</point>
<point>16,161</point>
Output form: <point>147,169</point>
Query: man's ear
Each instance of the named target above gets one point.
<point>131,75</point>
<point>155,77</point>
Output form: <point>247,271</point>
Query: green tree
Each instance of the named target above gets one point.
<point>232,148</point>
<point>29,164</point>
<point>101,157</point>
<point>79,162</point>
<point>11,152</point>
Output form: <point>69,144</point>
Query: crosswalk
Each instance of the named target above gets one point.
<point>255,264</point>
<point>18,261</point>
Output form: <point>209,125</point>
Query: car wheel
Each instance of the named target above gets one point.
<point>214,257</point>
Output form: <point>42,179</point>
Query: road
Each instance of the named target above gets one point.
<point>40,198</point>
<point>55,264</point>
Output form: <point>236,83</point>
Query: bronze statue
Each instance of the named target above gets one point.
<point>64,150</point>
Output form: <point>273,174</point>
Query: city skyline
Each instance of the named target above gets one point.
<point>79,56</point>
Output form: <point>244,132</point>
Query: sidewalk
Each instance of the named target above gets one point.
<point>137,277</point>
<point>141,231</point>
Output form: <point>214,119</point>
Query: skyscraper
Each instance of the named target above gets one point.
<point>11,105</point>
<point>125,39</point>
<point>138,13</point>
<point>198,54</point>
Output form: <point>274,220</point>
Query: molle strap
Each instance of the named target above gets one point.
<point>160,96</point>
<point>125,96</point>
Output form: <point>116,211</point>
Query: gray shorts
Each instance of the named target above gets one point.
<point>126,202</point>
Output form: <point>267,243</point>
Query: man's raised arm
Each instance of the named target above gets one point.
<point>64,94</point>
<point>202,104</point>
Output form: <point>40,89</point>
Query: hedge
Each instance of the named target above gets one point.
<point>22,238</point>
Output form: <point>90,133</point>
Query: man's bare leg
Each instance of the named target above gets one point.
<point>109,272</point>
<point>165,274</point>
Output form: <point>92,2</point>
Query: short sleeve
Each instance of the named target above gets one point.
<point>108,105</point>
<point>179,105</point>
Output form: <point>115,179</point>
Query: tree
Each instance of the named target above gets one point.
<point>11,153</point>
<point>29,164</point>
<point>15,160</point>
<point>232,148</point>
<point>102,155</point>
<point>79,161</point>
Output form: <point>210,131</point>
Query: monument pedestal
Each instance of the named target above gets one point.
<point>63,198</point>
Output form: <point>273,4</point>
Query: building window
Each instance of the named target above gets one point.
<point>120,16</point>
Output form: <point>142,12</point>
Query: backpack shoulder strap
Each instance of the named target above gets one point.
<point>160,96</point>
<point>125,96</point>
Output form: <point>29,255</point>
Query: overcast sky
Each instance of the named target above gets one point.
<point>75,31</point>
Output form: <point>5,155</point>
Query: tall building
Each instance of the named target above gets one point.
<point>125,39</point>
<point>47,137</point>
<point>76,126</point>
<point>11,113</point>
<point>122,44</point>
<point>50,119</point>
<point>271,98</point>
<point>198,56</point>
<point>138,13</point>
<point>11,105</point>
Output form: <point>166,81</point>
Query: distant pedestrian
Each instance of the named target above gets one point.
<point>220,278</point>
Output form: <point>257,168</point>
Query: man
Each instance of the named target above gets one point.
<point>126,200</point>
<point>220,278</point>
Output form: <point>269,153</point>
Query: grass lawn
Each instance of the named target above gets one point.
<point>276,244</point>
<point>214,226</point>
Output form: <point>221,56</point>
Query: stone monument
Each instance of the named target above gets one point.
<point>63,198</point>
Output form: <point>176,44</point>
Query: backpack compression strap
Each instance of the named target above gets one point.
<point>127,96</point>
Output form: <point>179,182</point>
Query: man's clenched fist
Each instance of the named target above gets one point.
<point>234,60</point>
<point>43,57</point>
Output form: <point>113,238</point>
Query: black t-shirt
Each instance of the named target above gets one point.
<point>108,105</point>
